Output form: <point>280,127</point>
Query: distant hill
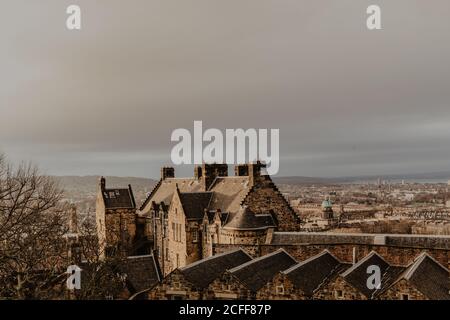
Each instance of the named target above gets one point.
<point>82,190</point>
<point>90,183</point>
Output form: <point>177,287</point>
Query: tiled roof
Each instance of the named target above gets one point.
<point>429,277</point>
<point>245,219</point>
<point>118,198</point>
<point>310,274</point>
<point>228,192</point>
<point>142,272</point>
<point>256,273</point>
<point>195,203</point>
<point>201,273</point>
<point>357,275</point>
<point>164,191</point>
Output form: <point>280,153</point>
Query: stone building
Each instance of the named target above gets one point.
<point>116,219</point>
<point>246,280</point>
<point>277,276</point>
<point>304,279</point>
<point>191,281</point>
<point>185,217</point>
<point>327,210</point>
<point>352,284</point>
<point>424,279</point>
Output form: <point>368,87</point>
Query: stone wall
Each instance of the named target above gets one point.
<point>338,290</point>
<point>174,286</point>
<point>176,242</point>
<point>265,196</point>
<point>402,290</point>
<point>344,252</point>
<point>280,288</point>
<point>242,237</point>
<point>193,241</point>
<point>404,240</point>
<point>227,287</point>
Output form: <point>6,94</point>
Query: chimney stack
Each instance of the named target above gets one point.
<point>211,171</point>
<point>167,172</point>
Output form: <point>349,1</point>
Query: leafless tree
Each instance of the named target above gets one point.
<point>103,276</point>
<point>37,245</point>
<point>32,225</point>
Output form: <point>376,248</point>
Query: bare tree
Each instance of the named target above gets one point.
<point>32,225</point>
<point>103,276</point>
<point>37,243</point>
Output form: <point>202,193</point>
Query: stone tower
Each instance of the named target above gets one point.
<point>116,219</point>
<point>327,209</point>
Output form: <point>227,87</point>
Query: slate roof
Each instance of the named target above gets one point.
<point>115,198</point>
<point>429,277</point>
<point>245,219</point>
<point>357,275</point>
<point>310,274</point>
<point>195,203</point>
<point>165,189</point>
<point>201,273</point>
<point>256,273</point>
<point>142,272</point>
<point>228,192</point>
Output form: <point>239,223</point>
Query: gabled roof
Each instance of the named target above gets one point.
<point>310,274</point>
<point>115,198</point>
<point>201,273</point>
<point>256,273</point>
<point>165,189</point>
<point>245,219</point>
<point>357,275</point>
<point>429,277</point>
<point>228,192</point>
<point>195,203</point>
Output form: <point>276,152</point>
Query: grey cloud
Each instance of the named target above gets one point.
<point>346,100</point>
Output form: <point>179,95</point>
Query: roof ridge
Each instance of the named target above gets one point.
<point>150,194</point>
<point>360,262</point>
<point>299,264</point>
<point>278,251</point>
<point>417,261</point>
<point>211,258</point>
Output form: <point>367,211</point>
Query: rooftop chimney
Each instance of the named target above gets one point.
<point>167,172</point>
<point>211,171</point>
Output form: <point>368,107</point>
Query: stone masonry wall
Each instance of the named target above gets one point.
<point>338,290</point>
<point>264,196</point>
<point>227,287</point>
<point>280,288</point>
<point>174,285</point>
<point>401,288</point>
<point>344,252</point>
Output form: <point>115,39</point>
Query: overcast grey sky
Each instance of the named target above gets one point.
<point>347,101</point>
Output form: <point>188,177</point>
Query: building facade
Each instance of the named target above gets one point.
<point>186,217</point>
